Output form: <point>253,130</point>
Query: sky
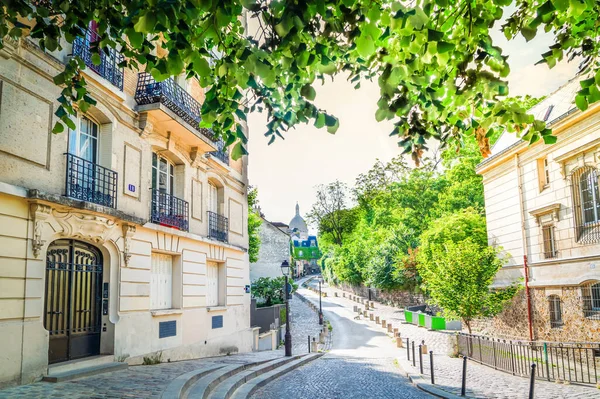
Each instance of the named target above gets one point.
<point>287,171</point>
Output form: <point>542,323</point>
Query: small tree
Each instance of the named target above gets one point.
<point>458,279</point>
<point>270,291</point>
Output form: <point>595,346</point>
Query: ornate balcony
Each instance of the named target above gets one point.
<point>222,154</point>
<point>170,106</point>
<point>218,227</point>
<point>168,210</point>
<point>109,67</point>
<point>87,181</point>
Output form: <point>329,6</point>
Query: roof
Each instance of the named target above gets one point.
<point>553,108</point>
<point>298,222</point>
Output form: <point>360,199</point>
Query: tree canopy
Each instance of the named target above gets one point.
<point>440,74</point>
<point>254,223</point>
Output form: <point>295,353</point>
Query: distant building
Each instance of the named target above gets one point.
<point>543,209</point>
<point>306,253</point>
<point>274,249</point>
<point>297,225</point>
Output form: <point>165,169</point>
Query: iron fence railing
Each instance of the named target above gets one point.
<point>218,227</point>
<point>174,97</point>
<point>109,67</point>
<point>87,181</point>
<point>222,154</point>
<point>577,362</point>
<point>168,210</point>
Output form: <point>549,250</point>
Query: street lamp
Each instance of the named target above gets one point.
<point>285,270</point>
<point>320,307</point>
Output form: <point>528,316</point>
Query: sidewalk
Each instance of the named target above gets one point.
<point>482,381</point>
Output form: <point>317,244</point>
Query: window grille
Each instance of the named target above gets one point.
<point>550,250</point>
<point>555,308</point>
<point>591,300</point>
<point>586,205</point>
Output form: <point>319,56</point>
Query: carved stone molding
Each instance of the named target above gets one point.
<point>128,232</point>
<point>89,227</point>
<point>146,124</point>
<point>9,48</point>
<point>40,214</point>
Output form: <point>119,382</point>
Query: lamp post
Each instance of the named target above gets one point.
<point>285,270</point>
<point>320,307</point>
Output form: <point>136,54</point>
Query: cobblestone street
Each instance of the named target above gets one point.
<point>361,364</point>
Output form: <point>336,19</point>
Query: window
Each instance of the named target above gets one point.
<point>161,282</point>
<point>588,187</point>
<point>543,169</point>
<point>591,300</point>
<point>550,250</point>
<point>586,205</point>
<point>215,292</point>
<point>83,142</point>
<point>555,311</point>
<point>163,177</point>
<point>213,198</point>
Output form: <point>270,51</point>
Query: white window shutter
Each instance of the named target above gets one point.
<point>212,284</point>
<point>161,282</point>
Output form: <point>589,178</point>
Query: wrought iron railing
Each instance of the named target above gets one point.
<point>218,227</point>
<point>222,154</point>
<point>168,210</point>
<point>87,181</point>
<point>174,97</point>
<point>574,362</point>
<point>109,67</point>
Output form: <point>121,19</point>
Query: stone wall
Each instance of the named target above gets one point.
<point>274,249</point>
<point>512,322</point>
<point>398,298</point>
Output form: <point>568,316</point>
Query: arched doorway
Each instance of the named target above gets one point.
<point>73,299</point>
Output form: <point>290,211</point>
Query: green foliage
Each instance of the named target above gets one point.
<point>270,291</point>
<point>254,223</point>
<point>439,73</point>
<point>153,359</point>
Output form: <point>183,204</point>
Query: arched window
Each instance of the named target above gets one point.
<point>83,141</point>
<point>163,177</point>
<point>591,300</point>
<point>555,309</point>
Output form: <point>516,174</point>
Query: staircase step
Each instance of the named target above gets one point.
<point>179,385</point>
<point>226,388</point>
<point>85,362</point>
<point>249,388</point>
<point>203,386</point>
<point>85,372</point>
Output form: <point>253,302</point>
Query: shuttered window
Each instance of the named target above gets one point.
<point>212,284</point>
<point>213,198</point>
<point>161,282</point>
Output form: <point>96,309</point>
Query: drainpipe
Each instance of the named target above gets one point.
<point>524,246</point>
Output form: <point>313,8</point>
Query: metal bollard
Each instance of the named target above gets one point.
<point>413,354</point>
<point>431,366</point>
<point>464,377</point>
<point>407,350</point>
<point>421,358</point>
<point>309,344</point>
<point>532,381</point>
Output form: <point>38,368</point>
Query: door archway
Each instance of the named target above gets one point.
<point>73,300</point>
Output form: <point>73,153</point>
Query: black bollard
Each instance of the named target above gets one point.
<point>431,365</point>
<point>421,358</point>
<point>413,354</point>
<point>309,344</point>
<point>464,377</point>
<point>532,381</point>
<point>407,350</point>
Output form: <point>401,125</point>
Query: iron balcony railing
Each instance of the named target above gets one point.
<point>174,97</point>
<point>168,210</point>
<point>222,154</point>
<point>218,227</point>
<point>87,181</point>
<point>556,361</point>
<point>109,67</point>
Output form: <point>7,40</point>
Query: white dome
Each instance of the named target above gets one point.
<point>298,223</point>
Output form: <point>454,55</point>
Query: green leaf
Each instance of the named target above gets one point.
<point>587,82</point>
<point>550,139</point>
<point>581,102</point>
<point>238,151</point>
<point>320,120</point>
<point>135,38</point>
<point>146,22</point>
<point>561,5</point>
<point>96,59</point>
<point>444,47</point>
<point>434,35</point>
<point>201,67</point>
<point>58,128</point>
<point>309,92</point>
<point>365,46</point>
<point>528,33</point>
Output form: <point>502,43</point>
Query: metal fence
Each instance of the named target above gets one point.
<point>110,60</point>
<point>574,362</point>
<point>87,181</point>
<point>222,154</point>
<point>169,210</point>
<point>218,227</point>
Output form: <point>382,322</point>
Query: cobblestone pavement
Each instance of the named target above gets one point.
<point>482,381</point>
<point>303,322</point>
<point>361,364</point>
<point>136,382</point>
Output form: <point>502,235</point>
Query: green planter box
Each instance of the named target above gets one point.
<point>438,323</point>
<point>408,316</point>
<point>421,320</point>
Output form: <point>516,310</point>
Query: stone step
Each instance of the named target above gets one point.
<point>181,384</point>
<point>204,385</point>
<point>247,389</point>
<point>80,363</point>
<point>226,388</point>
<point>85,372</point>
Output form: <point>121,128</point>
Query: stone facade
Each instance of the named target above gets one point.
<point>141,262</point>
<point>274,249</point>
<point>397,298</point>
<point>542,211</point>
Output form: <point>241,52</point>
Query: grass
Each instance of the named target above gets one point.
<point>153,359</point>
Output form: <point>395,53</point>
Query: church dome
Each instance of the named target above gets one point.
<point>298,222</point>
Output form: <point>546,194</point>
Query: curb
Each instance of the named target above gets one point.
<point>418,381</point>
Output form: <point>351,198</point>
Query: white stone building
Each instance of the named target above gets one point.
<point>543,205</point>
<point>274,249</point>
<point>124,237</point>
